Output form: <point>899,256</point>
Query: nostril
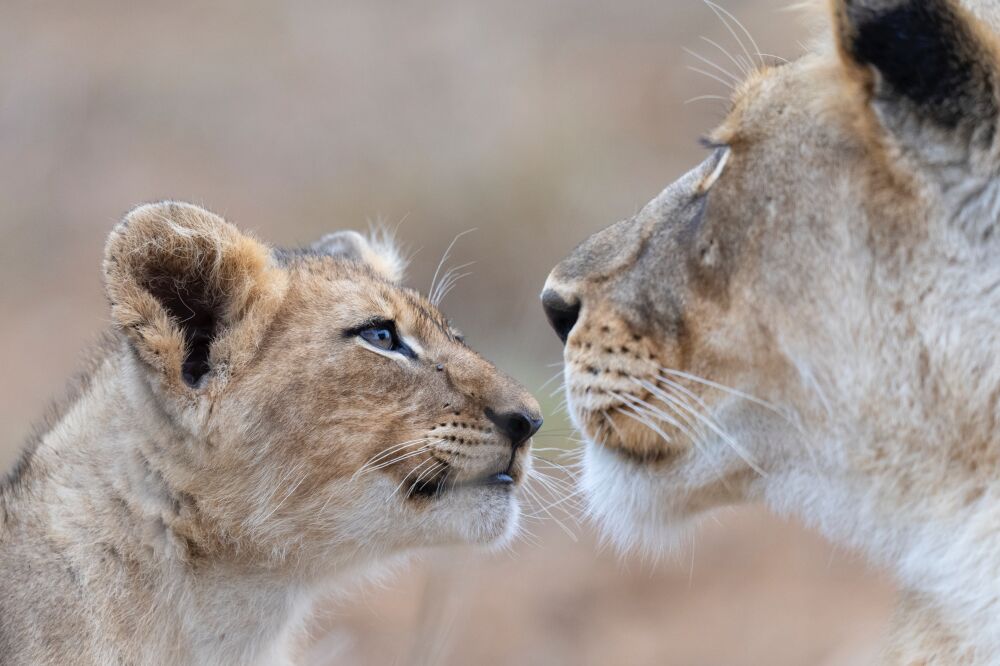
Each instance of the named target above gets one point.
<point>517,426</point>
<point>562,314</point>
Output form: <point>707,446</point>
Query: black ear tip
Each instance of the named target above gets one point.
<point>925,52</point>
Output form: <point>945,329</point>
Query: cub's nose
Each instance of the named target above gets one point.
<point>517,426</point>
<point>562,314</point>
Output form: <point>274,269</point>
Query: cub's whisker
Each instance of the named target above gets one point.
<point>428,473</point>
<point>399,458</point>
<point>385,453</point>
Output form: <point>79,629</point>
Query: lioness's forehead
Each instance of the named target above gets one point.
<point>789,100</point>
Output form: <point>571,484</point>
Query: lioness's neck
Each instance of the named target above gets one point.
<point>906,468</point>
<point>140,560</point>
<point>923,500</point>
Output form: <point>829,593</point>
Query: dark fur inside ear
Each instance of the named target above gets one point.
<point>195,310</point>
<point>925,52</point>
<point>192,293</point>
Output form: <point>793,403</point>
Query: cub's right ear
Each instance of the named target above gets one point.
<point>378,251</point>
<point>193,294</point>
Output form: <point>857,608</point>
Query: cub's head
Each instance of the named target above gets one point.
<point>301,405</point>
<point>794,301</point>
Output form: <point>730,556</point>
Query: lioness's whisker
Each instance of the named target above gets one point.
<point>643,416</point>
<point>676,404</point>
<point>641,407</point>
<point>701,98</point>
<point>677,386</point>
<point>735,79</point>
<point>663,416</point>
<point>776,57</point>
<point>710,423</point>
<point>714,77</point>
<point>739,64</point>
<point>551,379</point>
<point>723,387</point>
<point>723,14</point>
<point>646,422</point>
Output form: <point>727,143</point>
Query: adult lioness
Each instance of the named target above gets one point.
<point>259,422</point>
<point>811,318</point>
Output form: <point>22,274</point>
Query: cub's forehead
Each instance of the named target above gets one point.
<point>356,292</point>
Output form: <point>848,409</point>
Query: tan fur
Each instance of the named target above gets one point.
<point>165,517</point>
<point>810,318</point>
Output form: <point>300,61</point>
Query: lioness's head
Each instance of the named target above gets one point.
<point>805,298</point>
<point>302,403</point>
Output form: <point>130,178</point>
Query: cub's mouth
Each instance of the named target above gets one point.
<point>444,483</point>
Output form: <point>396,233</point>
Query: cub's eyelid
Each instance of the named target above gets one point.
<point>402,347</point>
<point>374,322</point>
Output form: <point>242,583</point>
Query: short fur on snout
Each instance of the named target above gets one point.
<point>258,423</point>
<point>809,318</point>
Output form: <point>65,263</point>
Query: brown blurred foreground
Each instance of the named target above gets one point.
<point>752,592</point>
<point>537,124</point>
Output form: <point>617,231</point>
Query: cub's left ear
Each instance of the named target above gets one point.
<point>378,251</point>
<point>929,67</point>
<point>192,294</point>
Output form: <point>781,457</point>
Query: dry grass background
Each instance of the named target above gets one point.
<point>536,123</point>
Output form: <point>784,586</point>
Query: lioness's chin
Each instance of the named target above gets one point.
<point>634,506</point>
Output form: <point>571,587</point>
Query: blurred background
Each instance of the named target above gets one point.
<point>535,123</point>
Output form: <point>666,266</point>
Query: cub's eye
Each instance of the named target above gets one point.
<point>382,334</point>
<point>382,337</point>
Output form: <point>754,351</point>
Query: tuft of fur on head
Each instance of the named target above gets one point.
<point>378,250</point>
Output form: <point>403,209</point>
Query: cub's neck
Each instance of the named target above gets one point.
<point>141,563</point>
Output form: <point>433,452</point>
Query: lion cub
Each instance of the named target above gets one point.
<point>258,423</point>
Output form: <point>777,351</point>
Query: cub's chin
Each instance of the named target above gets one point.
<point>484,515</point>
<point>499,524</point>
<point>634,506</point>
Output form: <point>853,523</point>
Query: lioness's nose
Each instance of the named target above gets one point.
<point>517,426</point>
<point>562,314</point>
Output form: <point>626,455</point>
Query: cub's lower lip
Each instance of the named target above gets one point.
<point>438,487</point>
<point>501,479</point>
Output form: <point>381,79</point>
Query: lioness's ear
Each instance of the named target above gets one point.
<point>193,294</point>
<point>929,68</point>
<point>378,251</point>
